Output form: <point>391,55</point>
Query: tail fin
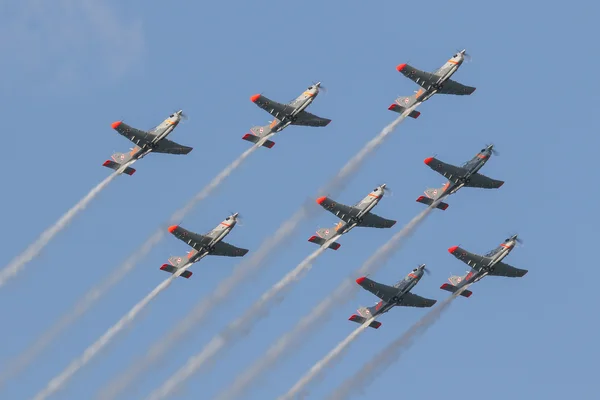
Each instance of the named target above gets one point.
<point>175,263</point>
<point>453,289</point>
<point>115,165</point>
<point>402,103</point>
<point>118,159</point>
<point>361,320</point>
<point>259,132</point>
<point>171,269</point>
<point>321,242</point>
<point>432,195</point>
<point>324,234</point>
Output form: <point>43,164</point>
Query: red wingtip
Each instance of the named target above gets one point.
<point>444,206</point>
<point>420,198</point>
<point>269,145</point>
<point>400,67</point>
<point>361,279</point>
<point>247,135</point>
<point>392,107</point>
<point>452,249</point>
<point>313,237</point>
<point>106,163</point>
<point>428,160</point>
<point>115,124</point>
<point>417,113</point>
<point>172,228</point>
<point>468,294</point>
<point>352,317</point>
<point>320,200</point>
<point>164,267</point>
<point>254,98</point>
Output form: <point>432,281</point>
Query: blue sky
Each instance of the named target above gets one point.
<point>74,68</point>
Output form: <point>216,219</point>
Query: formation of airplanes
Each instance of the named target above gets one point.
<point>358,215</point>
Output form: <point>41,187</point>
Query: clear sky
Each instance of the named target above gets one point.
<point>72,68</point>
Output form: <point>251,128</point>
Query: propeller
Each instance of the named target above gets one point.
<point>321,87</point>
<point>387,190</point>
<point>517,239</point>
<point>494,151</point>
<point>183,115</point>
<point>239,219</point>
<point>467,56</point>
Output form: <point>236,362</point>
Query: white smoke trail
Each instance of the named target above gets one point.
<point>240,326</point>
<point>297,391</point>
<point>390,354</point>
<point>239,276</point>
<point>19,262</point>
<point>94,294</point>
<point>347,289</point>
<point>59,381</point>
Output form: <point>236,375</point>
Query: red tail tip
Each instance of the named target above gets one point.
<point>428,160</point>
<point>400,67</point>
<point>452,249</point>
<point>115,124</point>
<point>254,98</point>
<point>361,279</point>
<point>172,228</point>
<point>320,200</point>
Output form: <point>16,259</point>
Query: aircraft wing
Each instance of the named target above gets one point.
<point>195,240</point>
<point>453,87</point>
<point>481,181</point>
<point>137,136</point>
<point>371,220</point>
<point>474,261</point>
<point>384,292</point>
<point>227,250</point>
<point>449,171</point>
<point>421,78</point>
<point>170,147</point>
<point>341,211</point>
<point>308,119</point>
<point>413,300</point>
<point>503,269</point>
<point>274,108</point>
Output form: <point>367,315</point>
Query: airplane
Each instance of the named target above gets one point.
<point>153,140</point>
<point>357,215</point>
<point>203,245</point>
<point>284,115</point>
<point>490,264</point>
<point>431,83</point>
<point>465,176</point>
<point>391,296</point>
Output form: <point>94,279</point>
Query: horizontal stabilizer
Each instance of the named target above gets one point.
<point>255,139</point>
<point>399,109</point>
<point>361,320</point>
<point>114,165</point>
<point>171,269</point>
<point>449,288</point>
<point>426,200</point>
<point>321,242</point>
